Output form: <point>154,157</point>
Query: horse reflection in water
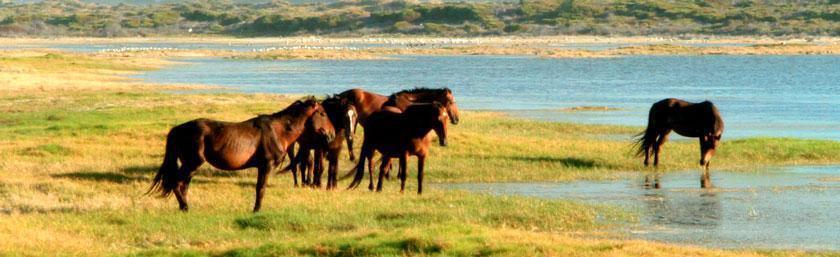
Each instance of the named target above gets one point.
<point>683,208</point>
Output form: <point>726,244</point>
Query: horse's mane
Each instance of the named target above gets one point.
<point>332,98</point>
<point>424,90</point>
<point>298,106</point>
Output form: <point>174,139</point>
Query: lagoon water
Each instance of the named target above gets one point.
<point>794,208</point>
<point>790,96</point>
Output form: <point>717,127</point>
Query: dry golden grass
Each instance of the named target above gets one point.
<point>76,160</point>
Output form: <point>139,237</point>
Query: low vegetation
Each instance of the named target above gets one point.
<point>342,53</point>
<point>526,17</point>
<point>75,160</point>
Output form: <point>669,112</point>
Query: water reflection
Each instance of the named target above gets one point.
<point>691,209</point>
<point>793,208</point>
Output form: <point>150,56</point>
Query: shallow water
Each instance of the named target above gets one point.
<point>792,208</point>
<point>794,96</point>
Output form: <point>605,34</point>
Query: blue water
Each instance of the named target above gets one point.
<point>793,208</point>
<point>794,96</point>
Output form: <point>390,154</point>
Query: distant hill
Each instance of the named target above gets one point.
<point>108,18</point>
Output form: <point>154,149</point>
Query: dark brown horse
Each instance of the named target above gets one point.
<point>399,135</point>
<point>343,115</point>
<point>700,120</point>
<point>259,142</point>
<point>367,103</point>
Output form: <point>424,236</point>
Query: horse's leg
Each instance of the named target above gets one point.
<point>403,171</point>
<point>706,177</point>
<point>310,168</point>
<point>303,161</point>
<point>370,171</point>
<point>656,178</point>
<point>180,189</point>
<point>421,161</point>
<point>382,171</point>
<point>262,177</point>
<point>657,146</point>
<point>318,167</point>
<point>332,170</point>
<point>388,172</point>
<point>293,164</point>
<point>185,173</point>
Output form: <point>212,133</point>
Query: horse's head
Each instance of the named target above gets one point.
<point>451,107</point>
<point>349,120</point>
<point>319,121</point>
<point>710,138</point>
<point>439,122</point>
<point>708,143</point>
<point>427,95</point>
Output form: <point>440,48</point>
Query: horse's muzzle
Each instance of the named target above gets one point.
<point>443,142</point>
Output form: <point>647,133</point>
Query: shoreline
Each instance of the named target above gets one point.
<point>392,39</point>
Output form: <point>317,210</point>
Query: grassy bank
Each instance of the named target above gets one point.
<point>77,154</point>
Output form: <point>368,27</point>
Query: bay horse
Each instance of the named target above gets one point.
<point>399,135</point>
<point>343,116</point>
<point>367,103</point>
<point>258,142</point>
<point>700,120</point>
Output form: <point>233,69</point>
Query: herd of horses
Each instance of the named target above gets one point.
<point>396,126</point>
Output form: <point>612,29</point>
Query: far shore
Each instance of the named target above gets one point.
<point>386,47</point>
<point>399,39</point>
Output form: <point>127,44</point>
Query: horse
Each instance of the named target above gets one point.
<point>399,135</point>
<point>367,103</point>
<point>258,142</point>
<point>700,120</point>
<point>339,111</point>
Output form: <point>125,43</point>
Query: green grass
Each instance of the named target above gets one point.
<point>74,167</point>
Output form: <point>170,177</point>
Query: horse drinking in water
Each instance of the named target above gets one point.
<point>701,120</point>
<point>259,142</point>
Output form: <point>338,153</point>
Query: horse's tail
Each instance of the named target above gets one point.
<point>646,139</point>
<point>358,170</point>
<point>166,178</point>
